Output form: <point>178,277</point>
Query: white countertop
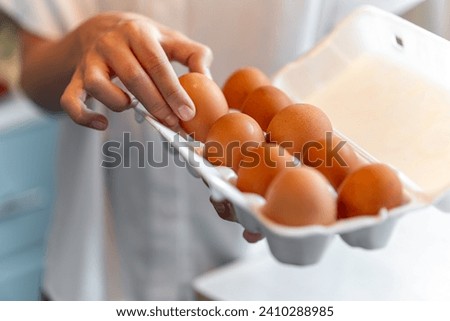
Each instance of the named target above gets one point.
<point>415,265</point>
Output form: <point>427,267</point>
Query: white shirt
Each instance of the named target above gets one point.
<point>144,233</point>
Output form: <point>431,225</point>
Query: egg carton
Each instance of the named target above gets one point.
<point>381,40</point>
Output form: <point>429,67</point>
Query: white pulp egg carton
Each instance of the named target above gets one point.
<point>385,84</point>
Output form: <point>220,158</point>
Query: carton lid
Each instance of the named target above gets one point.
<point>385,84</point>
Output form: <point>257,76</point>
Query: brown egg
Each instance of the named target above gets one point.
<point>296,125</point>
<point>229,136</point>
<point>369,189</point>
<point>242,82</point>
<point>210,104</point>
<point>333,157</point>
<point>300,196</point>
<point>264,103</point>
<point>260,165</point>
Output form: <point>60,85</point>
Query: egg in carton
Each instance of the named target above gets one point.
<point>385,84</point>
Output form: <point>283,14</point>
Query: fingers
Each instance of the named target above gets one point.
<point>224,209</point>
<point>137,51</point>
<point>157,65</point>
<point>252,237</point>
<point>226,212</point>
<point>195,56</point>
<point>98,85</point>
<point>139,83</point>
<point>199,60</point>
<point>73,102</point>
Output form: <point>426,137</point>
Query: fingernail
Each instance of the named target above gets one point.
<point>99,125</point>
<point>186,113</point>
<point>171,120</point>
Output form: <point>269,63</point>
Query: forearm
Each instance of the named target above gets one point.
<point>47,67</point>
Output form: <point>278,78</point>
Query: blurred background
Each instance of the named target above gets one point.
<point>27,160</point>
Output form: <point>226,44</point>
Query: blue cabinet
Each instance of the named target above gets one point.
<point>27,167</point>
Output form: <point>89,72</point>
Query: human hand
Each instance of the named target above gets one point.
<point>226,212</point>
<point>138,51</point>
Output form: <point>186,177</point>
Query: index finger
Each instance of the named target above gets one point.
<point>196,56</point>
<point>157,65</point>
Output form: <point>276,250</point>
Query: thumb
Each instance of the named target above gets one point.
<point>73,103</point>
